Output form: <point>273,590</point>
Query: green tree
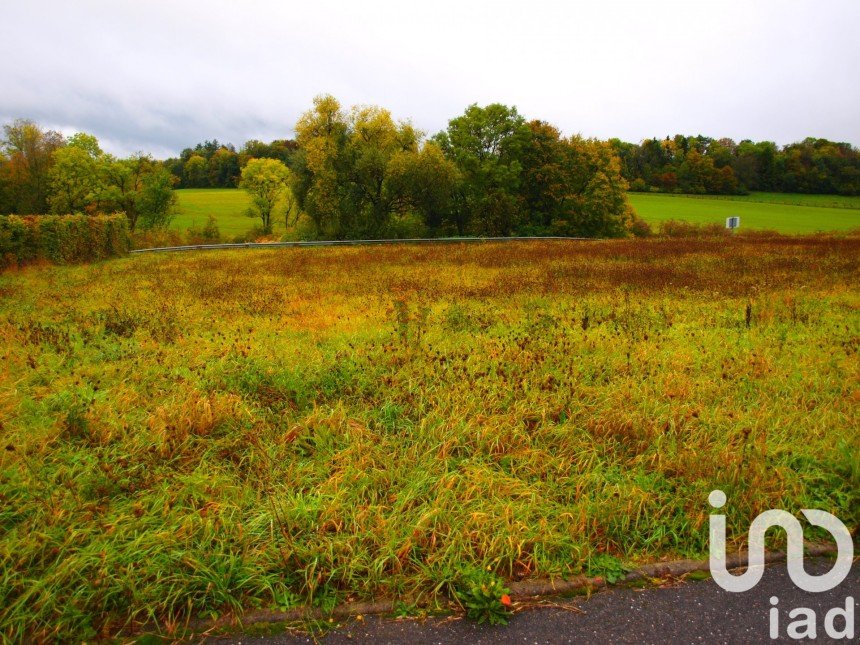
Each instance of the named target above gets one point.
<point>722,151</point>
<point>280,149</point>
<point>74,178</point>
<point>696,172</point>
<point>138,186</point>
<point>86,142</point>
<point>486,144</point>
<point>546,178</point>
<point>266,181</point>
<point>74,175</point>
<point>195,172</point>
<point>376,150</point>
<point>602,210</point>
<point>429,182</point>
<point>156,201</point>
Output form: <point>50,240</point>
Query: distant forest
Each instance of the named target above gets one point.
<point>212,164</point>
<point>701,165</point>
<point>679,164</point>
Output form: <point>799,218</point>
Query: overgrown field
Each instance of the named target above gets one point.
<point>194,434</point>
<point>772,211</point>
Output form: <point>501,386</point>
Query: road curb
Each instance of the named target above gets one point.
<point>522,589</point>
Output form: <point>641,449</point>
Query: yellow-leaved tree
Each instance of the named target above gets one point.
<point>362,174</point>
<point>266,181</point>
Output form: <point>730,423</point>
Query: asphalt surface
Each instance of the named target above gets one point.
<point>683,612</point>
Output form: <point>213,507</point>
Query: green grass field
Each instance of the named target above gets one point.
<point>774,211</point>
<point>226,204</point>
<point>828,201</point>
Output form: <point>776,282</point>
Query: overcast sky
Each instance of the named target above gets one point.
<point>158,76</point>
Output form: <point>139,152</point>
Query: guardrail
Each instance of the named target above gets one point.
<point>419,240</point>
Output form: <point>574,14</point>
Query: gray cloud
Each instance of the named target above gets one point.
<point>158,76</point>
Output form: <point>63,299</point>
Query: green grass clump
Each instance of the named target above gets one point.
<point>199,434</point>
<point>483,595</point>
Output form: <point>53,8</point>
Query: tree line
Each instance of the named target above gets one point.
<point>349,173</point>
<point>358,172</point>
<point>219,165</point>
<point>679,164</point>
<point>700,165</point>
<point>41,172</point>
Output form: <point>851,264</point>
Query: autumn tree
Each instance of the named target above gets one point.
<point>358,173</point>
<point>224,168</point>
<point>219,168</point>
<point>5,185</point>
<point>701,164</point>
<point>266,181</point>
<point>28,152</point>
<point>319,164</point>
<point>572,186</point>
<point>598,204</point>
<point>40,170</point>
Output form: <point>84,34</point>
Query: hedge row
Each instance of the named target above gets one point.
<point>61,239</point>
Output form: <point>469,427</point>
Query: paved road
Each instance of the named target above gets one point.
<point>690,612</point>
